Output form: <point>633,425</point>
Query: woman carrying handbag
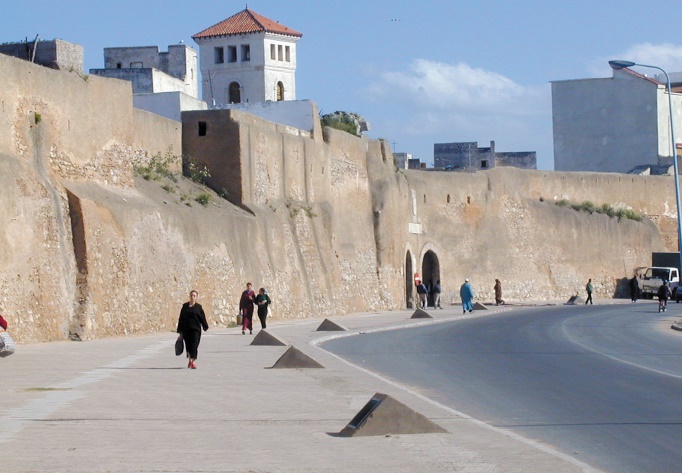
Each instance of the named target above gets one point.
<point>192,319</point>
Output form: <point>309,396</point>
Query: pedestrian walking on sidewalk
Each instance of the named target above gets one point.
<point>263,301</point>
<point>436,295</point>
<point>498,292</point>
<point>588,288</point>
<point>192,319</point>
<point>422,292</point>
<point>634,288</point>
<point>467,295</point>
<point>246,303</point>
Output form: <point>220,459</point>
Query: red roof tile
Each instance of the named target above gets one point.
<point>244,22</point>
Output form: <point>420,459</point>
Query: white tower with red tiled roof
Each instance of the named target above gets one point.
<point>247,58</point>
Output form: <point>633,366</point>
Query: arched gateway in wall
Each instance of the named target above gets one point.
<point>430,274</point>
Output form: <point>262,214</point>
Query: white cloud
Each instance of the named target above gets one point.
<point>429,84</point>
<point>666,56</point>
<point>434,102</point>
<point>436,97</point>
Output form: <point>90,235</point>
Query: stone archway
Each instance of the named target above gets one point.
<point>430,273</point>
<point>409,283</point>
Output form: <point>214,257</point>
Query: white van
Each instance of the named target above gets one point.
<point>652,279</point>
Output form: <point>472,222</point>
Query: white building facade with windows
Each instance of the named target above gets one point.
<point>247,58</point>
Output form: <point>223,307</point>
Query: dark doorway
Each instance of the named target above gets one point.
<point>235,93</point>
<point>430,273</point>
<point>409,284</point>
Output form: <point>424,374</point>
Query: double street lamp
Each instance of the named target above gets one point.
<point>616,65</point>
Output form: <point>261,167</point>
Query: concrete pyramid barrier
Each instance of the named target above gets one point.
<point>295,358</point>
<point>421,314</point>
<point>480,306</point>
<point>384,415</point>
<point>574,300</point>
<point>329,326</point>
<point>266,338</point>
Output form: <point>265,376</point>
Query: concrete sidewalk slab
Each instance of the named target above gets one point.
<point>130,405</point>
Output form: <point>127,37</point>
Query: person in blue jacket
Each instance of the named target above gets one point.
<point>467,295</point>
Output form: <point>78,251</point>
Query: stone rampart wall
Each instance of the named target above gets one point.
<point>322,219</point>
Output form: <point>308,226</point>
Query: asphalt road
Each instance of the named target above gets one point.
<point>603,383</point>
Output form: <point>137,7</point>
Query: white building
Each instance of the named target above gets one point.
<point>402,160</point>
<point>247,58</point>
<point>165,83</point>
<point>614,124</point>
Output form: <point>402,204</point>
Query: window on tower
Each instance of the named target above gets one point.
<point>279,52</point>
<point>232,54</point>
<point>246,52</point>
<point>273,53</point>
<point>218,55</point>
<point>287,53</point>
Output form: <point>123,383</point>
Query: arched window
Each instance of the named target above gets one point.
<point>280,91</point>
<point>235,93</point>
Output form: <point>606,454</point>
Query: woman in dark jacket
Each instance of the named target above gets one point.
<point>192,319</point>
<point>263,301</point>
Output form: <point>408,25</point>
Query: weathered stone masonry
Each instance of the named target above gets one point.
<point>319,217</point>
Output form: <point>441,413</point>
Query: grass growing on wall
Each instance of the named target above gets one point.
<point>606,209</point>
<point>158,168</point>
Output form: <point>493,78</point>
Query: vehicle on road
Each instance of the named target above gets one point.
<point>652,278</point>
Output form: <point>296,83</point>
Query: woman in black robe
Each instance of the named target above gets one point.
<point>192,319</point>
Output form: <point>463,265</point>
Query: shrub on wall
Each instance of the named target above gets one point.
<point>606,209</point>
<point>344,121</point>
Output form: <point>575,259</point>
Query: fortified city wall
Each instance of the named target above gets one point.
<point>319,217</point>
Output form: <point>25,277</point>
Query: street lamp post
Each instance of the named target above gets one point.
<point>616,65</point>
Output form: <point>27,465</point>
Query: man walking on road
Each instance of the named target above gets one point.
<point>467,294</point>
<point>588,288</point>
<point>634,288</point>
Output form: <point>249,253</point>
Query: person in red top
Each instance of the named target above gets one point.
<point>3,323</point>
<point>246,303</point>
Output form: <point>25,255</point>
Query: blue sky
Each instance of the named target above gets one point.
<point>442,71</point>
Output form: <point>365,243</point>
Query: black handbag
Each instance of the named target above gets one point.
<point>179,345</point>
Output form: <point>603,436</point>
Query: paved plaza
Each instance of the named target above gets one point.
<point>129,405</point>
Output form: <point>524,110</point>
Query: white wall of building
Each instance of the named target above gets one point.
<point>294,113</point>
<point>257,75</point>
<point>612,124</point>
<point>168,104</point>
<point>152,71</point>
